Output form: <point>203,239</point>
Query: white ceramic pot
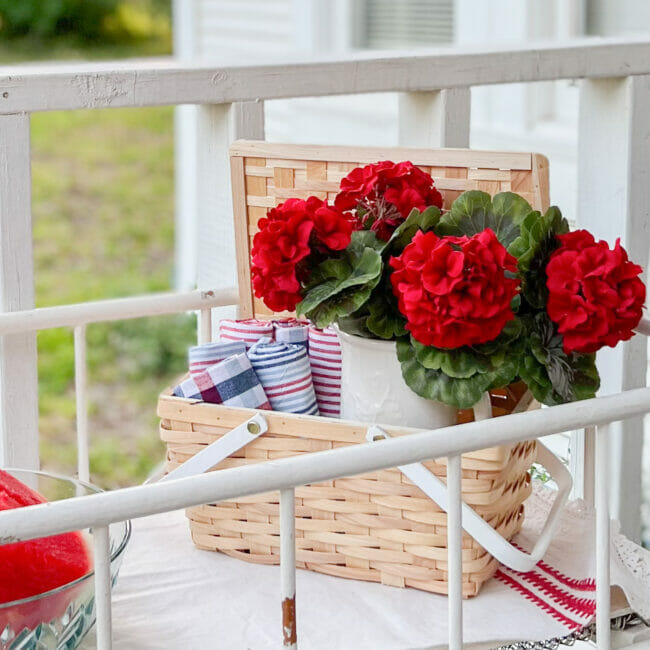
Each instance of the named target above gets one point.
<point>373,389</point>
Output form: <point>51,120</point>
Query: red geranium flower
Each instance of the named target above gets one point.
<point>595,294</point>
<point>454,291</point>
<point>332,228</point>
<point>288,235</point>
<point>385,194</point>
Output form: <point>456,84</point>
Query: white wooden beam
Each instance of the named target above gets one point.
<point>18,371</point>
<point>217,127</point>
<point>439,118</point>
<point>614,201</point>
<point>146,83</point>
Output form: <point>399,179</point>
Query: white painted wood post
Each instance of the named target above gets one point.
<point>455,551</point>
<point>102,559</point>
<point>81,394</point>
<point>18,371</point>
<point>218,125</point>
<point>603,605</point>
<point>582,460</point>
<point>288,568</point>
<point>614,201</point>
<point>435,119</point>
<point>184,30</point>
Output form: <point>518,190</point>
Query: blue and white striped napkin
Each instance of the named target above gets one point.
<point>292,330</point>
<point>284,372</point>
<point>201,357</point>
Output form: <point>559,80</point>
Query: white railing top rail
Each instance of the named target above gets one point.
<point>153,82</point>
<point>153,304</point>
<point>128,503</point>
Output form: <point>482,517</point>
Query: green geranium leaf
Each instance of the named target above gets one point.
<point>340,304</point>
<point>344,294</point>
<point>553,376</point>
<point>404,233</point>
<point>532,248</point>
<point>467,360</point>
<point>330,269</point>
<point>459,377</point>
<point>366,239</point>
<point>460,363</point>
<point>435,385</point>
<point>474,211</point>
<point>586,380</point>
<point>355,323</point>
<point>384,319</point>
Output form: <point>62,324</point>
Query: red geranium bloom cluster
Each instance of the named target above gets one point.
<point>288,235</point>
<point>386,193</point>
<point>595,294</point>
<point>454,291</point>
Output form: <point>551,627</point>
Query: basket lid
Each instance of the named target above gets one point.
<point>265,174</point>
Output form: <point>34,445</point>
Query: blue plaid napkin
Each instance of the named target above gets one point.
<point>231,382</point>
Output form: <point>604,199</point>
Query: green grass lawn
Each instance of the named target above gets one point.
<point>103,228</point>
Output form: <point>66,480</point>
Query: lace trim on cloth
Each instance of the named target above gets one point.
<point>630,563</point>
<point>631,572</point>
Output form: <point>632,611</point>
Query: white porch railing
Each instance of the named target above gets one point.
<point>613,200</point>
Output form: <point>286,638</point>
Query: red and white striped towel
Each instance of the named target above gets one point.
<point>249,330</point>
<point>325,362</point>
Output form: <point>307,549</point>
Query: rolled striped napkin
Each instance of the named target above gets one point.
<point>249,330</point>
<point>292,330</point>
<point>231,382</point>
<point>283,370</point>
<point>325,363</point>
<point>202,357</point>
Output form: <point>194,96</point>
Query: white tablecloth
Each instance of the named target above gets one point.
<point>171,595</point>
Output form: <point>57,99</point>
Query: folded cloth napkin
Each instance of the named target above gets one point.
<point>231,382</point>
<point>202,356</point>
<point>325,362</point>
<point>283,370</point>
<point>249,330</point>
<point>292,330</point>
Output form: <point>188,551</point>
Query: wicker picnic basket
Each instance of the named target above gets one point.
<point>378,526</point>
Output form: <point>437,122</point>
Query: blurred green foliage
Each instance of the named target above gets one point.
<point>102,205</point>
<point>104,228</point>
<point>86,20</point>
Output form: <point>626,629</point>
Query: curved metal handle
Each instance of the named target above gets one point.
<point>476,526</point>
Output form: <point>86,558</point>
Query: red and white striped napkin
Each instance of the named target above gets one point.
<point>325,362</point>
<point>249,330</point>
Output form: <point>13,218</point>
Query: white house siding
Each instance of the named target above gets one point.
<point>216,30</point>
<point>526,117</point>
<point>540,117</point>
<point>243,28</point>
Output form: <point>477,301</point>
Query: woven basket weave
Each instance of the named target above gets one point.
<point>378,526</point>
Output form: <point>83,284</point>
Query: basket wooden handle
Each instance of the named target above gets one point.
<point>476,526</point>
